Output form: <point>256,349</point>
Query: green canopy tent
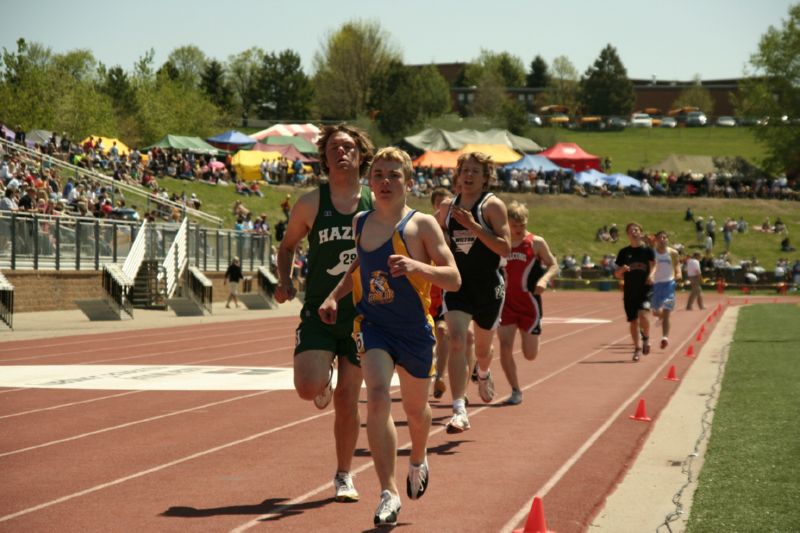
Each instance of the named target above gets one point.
<point>196,145</point>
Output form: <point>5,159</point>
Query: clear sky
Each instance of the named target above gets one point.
<point>668,39</point>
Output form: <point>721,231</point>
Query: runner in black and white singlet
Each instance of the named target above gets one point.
<point>476,224</point>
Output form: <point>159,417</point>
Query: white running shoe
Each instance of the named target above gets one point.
<point>388,509</point>
<point>486,388</point>
<point>322,399</point>
<point>345,490</point>
<point>459,423</point>
<point>417,480</point>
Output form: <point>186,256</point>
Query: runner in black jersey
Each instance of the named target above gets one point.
<point>476,224</point>
<point>325,216</point>
<point>636,266</point>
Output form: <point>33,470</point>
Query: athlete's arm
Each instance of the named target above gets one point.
<point>546,257</point>
<point>676,263</point>
<point>329,308</point>
<point>498,239</point>
<point>443,272</point>
<point>301,219</point>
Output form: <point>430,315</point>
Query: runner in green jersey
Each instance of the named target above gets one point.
<point>325,216</point>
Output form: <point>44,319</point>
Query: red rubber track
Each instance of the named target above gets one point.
<point>100,460</point>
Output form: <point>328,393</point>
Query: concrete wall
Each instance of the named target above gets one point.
<point>48,290</point>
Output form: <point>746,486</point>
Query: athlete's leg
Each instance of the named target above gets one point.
<point>414,392</point>
<point>506,336</point>
<point>530,345</point>
<point>312,370</point>
<point>483,347</point>
<point>442,348</point>
<point>381,433</point>
<point>634,327</point>
<point>644,322</point>
<point>665,325</point>
<point>347,420</point>
<point>457,326</point>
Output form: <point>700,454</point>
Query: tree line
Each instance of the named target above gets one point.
<point>358,72</point>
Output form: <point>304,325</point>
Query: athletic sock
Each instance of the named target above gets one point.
<point>459,405</point>
<point>482,374</point>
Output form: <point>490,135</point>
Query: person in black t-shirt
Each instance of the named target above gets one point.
<point>233,276</point>
<point>636,266</point>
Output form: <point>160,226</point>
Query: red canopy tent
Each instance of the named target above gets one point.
<point>570,155</point>
<point>286,150</point>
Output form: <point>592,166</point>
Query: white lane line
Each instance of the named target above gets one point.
<point>129,424</point>
<point>61,406</point>
<point>473,412</point>
<point>156,343</point>
<point>555,478</point>
<point>158,468</point>
<point>253,437</point>
<point>89,338</point>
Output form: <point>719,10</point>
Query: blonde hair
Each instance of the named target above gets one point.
<point>517,212</point>
<point>482,159</point>
<point>390,153</point>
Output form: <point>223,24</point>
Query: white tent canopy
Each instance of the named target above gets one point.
<point>308,131</point>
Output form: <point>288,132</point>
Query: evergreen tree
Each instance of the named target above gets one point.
<point>539,76</point>
<point>605,88</point>
<point>215,86</point>
<point>284,91</point>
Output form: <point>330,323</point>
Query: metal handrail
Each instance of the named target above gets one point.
<point>200,288</point>
<point>176,259</point>
<point>136,253</point>
<point>44,242</point>
<point>6,301</point>
<point>78,171</point>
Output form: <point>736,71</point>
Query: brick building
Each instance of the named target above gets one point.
<point>648,93</point>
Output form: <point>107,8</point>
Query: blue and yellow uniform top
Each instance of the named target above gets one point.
<point>380,298</point>
<point>393,313</point>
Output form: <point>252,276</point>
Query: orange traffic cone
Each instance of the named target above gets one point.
<point>535,523</point>
<point>641,412</point>
<point>699,337</point>
<point>710,317</point>
<point>690,351</point>
<point>671,374</point>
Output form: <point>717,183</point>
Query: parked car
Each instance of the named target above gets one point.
<point>696,118</point>
<point>668,122</point>
<point>534,120</point>
<point>641,120</point>
<point>559,119</point>
<point>616,123</point>
<point>726,122</point>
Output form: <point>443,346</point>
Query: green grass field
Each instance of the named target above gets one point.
<point>751,477</point>
<point>635,148</point>
<point>569,222</point>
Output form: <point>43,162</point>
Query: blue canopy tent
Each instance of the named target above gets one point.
<point>231,140</point>
<point>624,181</point>
<point>592,177</point>
<point>538,163</point>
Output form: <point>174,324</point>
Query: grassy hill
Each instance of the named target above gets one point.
<point>569,222</point>
<point>634,148</point>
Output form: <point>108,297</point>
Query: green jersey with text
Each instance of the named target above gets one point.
<point>331,250</point>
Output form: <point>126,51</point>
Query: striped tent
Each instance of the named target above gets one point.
<point>307,131</point>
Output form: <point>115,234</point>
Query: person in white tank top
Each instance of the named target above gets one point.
<point>667,274</point>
